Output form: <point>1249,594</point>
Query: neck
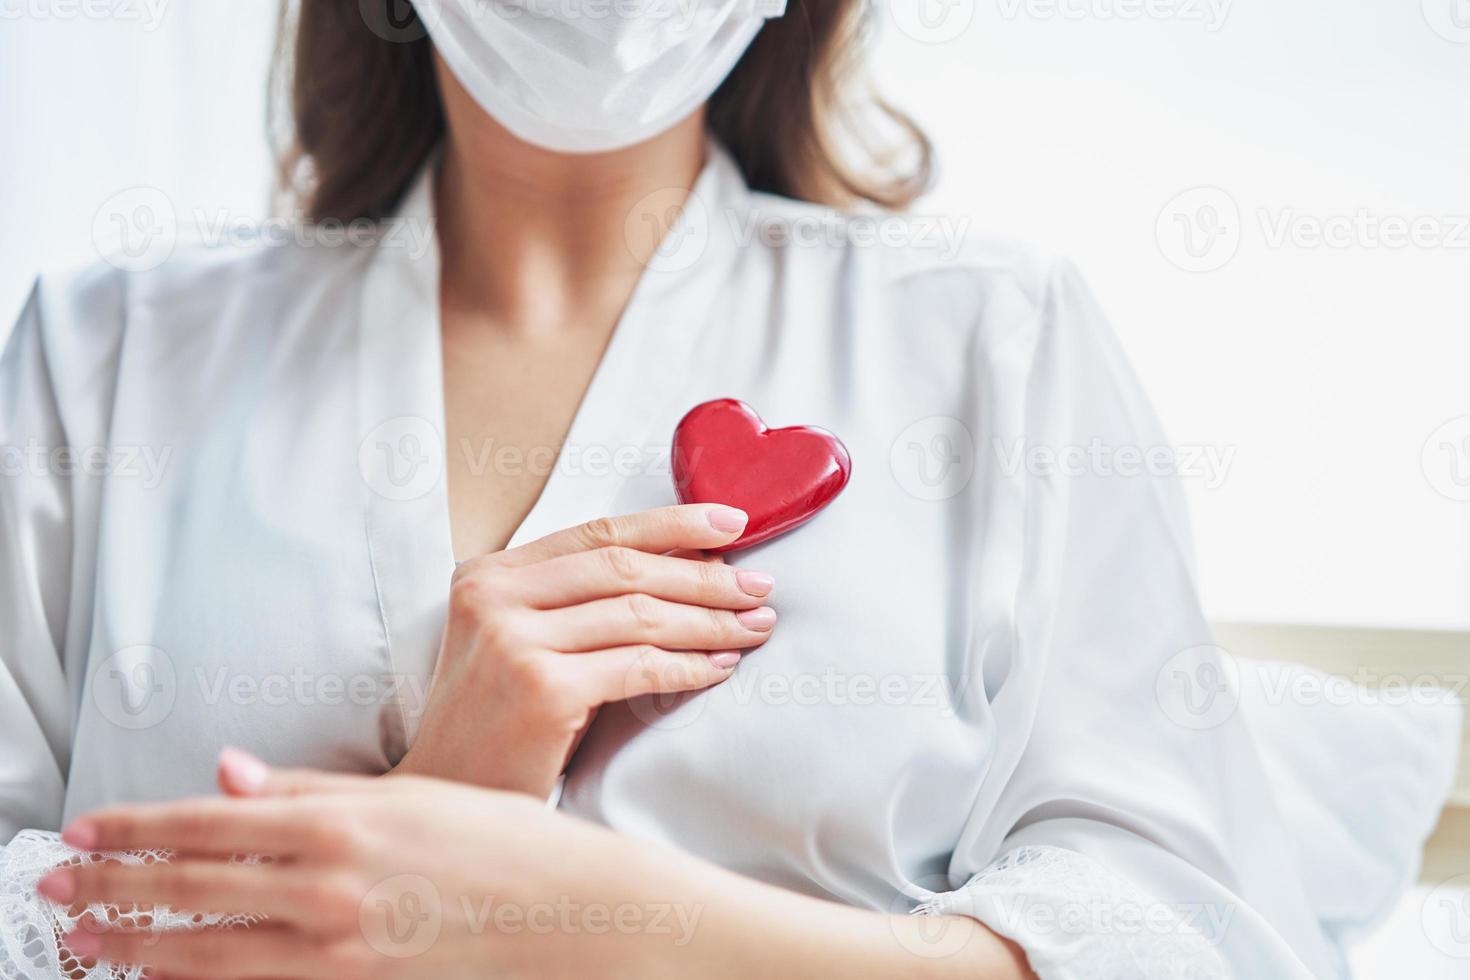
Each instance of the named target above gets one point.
<point>536,241</point>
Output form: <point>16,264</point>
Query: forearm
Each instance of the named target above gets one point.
<point>745,928</point>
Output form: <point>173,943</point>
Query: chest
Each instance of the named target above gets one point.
<point>508,405</point>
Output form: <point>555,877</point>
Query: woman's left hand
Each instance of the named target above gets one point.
<point>398,876</point>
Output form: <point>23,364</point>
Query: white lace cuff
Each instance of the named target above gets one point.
<point>1078,921</point>
<point>31,928</point>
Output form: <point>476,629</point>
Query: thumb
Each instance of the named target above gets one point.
<point>243,775</point>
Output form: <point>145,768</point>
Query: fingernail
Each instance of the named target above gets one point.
<point>81,834</point>
<point>758,584</point>
<point>242,770</point>
<point>59,886</point>
<point>83,943</point>
<point>760,620</point>
<point>725,659</point>
<point>727,519</point>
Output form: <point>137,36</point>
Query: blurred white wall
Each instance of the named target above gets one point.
<point>1324,369</point>
<point>100,96</point>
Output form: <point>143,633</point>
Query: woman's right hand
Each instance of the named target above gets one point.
<point>540,636</point>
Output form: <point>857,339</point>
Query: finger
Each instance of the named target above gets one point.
<point>605,572</point>
<point>694,526</point>
<point>206,826</point>
<point>288,895</point>
<point>222,953</point>
<point>242,774</point>
<point>630,672</point>
<point>638,618</point>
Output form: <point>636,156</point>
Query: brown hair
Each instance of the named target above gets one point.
<point>356,81</point>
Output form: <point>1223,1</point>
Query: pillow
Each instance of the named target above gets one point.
<point>1361,776</point>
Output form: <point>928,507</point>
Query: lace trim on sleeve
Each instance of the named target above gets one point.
<point>1078,921</point>
<point>31,928</point>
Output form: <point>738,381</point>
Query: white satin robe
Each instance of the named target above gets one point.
<point>960,709</point>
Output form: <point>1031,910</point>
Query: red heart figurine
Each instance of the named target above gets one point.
<point>781,478</point>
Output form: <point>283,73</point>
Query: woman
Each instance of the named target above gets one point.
<point>971,706</point>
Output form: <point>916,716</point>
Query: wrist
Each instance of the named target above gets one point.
<point>474,766</point>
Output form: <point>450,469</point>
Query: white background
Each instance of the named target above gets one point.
<point>1325,369</point>
<point>1320,371</point>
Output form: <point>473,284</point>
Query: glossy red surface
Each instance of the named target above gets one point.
<point>781,478</point>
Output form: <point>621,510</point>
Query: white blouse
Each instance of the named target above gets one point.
<point>990,692</point>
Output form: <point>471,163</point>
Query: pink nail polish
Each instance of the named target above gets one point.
<point>243,771</point>
<point>725,659</point>
<point>59,886</point>
<point>81,834</point>
<point>727,519</point>
<point>83,943</point>
<point>757,584</point>
<point>760,620</point>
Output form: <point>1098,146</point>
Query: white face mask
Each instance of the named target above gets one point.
<point>586,76</point>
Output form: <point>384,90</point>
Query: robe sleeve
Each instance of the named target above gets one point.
<point>1125,828</point>
<point>36,514</point>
